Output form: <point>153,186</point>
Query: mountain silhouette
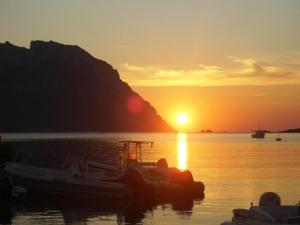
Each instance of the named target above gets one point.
<point>295,130</point>
<point>52,87</point>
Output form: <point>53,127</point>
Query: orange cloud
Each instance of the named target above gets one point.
<point>251,73</point>
<point>253,69</point>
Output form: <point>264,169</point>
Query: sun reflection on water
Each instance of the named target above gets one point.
<point>182,151</point>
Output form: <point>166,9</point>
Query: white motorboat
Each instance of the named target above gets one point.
<point>270,211</point>
<point>267,215</point>
<point>69,182</point>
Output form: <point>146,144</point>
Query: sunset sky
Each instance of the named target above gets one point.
<point>228,65</point>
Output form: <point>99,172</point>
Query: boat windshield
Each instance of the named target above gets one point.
<point>131,153</point>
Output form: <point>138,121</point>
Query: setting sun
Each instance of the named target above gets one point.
<point>182,118</point>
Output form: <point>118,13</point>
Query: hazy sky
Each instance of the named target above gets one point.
<point>170,42</point>
<point>209,42</point>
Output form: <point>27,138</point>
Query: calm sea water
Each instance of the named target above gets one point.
<point>235,169</point>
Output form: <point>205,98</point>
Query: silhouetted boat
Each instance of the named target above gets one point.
<point>169,182</point>
<point>130,179</point>
<point>278,138</point>
<point>267,215</point>
<point>270,211</point>
<point>258,134</point>
<point>69,182</point>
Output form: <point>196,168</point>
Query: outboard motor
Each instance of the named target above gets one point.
<point>162,164</point>
<point>185,178</point>
<point>197,190</point>
<point>269,199</point>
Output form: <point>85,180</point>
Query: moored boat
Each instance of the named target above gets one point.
<point>130,178</point>
<point>258,134</point>
<point>270,211</point>
<point>278,138</point>
<point>169,182</point>
<point>67,183</point>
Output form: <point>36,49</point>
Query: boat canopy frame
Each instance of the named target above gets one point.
<point>131,153</point>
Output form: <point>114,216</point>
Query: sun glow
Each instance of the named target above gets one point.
<point>182,151</point>
<point>182,118</point>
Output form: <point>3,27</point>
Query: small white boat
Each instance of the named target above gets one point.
<point>267,215</point>
<point>70,182</point>
<point>269,212</point>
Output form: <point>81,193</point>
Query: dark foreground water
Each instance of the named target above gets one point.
<point>235,169</point>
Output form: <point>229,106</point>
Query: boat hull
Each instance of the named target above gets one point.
<point>67,187</point>
<point>258,136</point>
<point>266,215</point>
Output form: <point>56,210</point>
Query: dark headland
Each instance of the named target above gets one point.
<point>295,130</point>
<point>52,87</point>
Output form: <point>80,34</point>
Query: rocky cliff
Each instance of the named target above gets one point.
<point>52,87</point>
<point>295,130</point>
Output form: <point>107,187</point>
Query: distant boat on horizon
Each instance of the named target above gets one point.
<point>278,138</point>
<point>258,134</point>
